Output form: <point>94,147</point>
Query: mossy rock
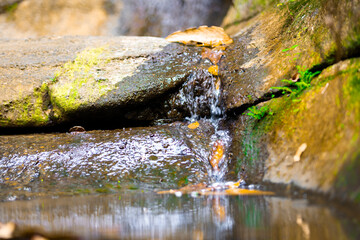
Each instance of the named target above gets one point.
<point>75,80</point>
<point>326,118</point>
<point>272,45</point>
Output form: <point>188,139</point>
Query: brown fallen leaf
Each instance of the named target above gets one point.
<point>214,70</point>
<point>240,191</point>
<point>193,125</point>
<point>204,36</point>
<point>216,154</point>
<point>235,185</point>
<point>214,55</point>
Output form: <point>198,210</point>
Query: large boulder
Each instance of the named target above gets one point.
<point>293,41</point>
<point>50,81</point>
<point>168,156</point>
<point>272,46</point>
<point>311,141</point>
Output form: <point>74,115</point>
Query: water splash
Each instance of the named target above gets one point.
<point>201,95</point>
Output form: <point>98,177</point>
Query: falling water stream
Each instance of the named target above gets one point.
<point>104,184</point>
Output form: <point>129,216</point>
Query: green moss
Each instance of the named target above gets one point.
<point>352,92</point>
<point>79,75</point>
<point>348,179</point>
<point>250,145</point>
<point>31,110</point>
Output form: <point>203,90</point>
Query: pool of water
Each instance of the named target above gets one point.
<point>143,214</point>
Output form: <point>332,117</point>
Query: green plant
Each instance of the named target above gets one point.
<point>258,112</point>
<point>295,87</point>
<point>290,48</point>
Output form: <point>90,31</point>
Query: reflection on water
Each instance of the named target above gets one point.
<point>145,215</point>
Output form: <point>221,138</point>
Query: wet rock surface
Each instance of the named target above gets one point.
<point>165,156</point>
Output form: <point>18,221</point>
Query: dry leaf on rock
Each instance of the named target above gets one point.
<point>193,125</point>
<point>205,36</point>
<point>217,154</point>
<point>235,184</point>
<point>214,70</point>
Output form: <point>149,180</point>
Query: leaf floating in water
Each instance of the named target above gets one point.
<point>214,55</point>
<point>187,189</point>
<point>240,191</point>
<point>214,70</point>
<point>193,125</point>
<point>202,189</point>
<point>205,36</point>
<point>217,154</point>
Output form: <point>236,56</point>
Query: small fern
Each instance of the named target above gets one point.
<point>295,88</point>
<point>258,113</point>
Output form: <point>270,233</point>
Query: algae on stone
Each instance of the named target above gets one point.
<point>31,110</point>
<point>81,80</point>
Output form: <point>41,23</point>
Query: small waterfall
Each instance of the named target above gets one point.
<point>201,95</point>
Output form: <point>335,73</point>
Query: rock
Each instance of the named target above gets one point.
<point>169,156</point>
<point>272,45</point>
<point>325,118</point>
<point>50,81</point>
<point>280,43</point>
